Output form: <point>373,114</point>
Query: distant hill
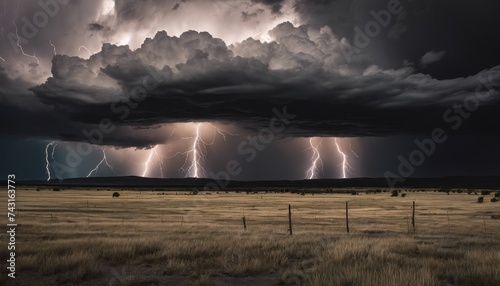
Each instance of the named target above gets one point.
<point>140,182</point>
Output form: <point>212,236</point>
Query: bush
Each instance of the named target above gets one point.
<point>485,193</point>
<point>394,193</point>
<point>403,195</point>
<point>494,200</point>
<point>116,195</point>
<point>56,189</point>
<point>480,199</point>
<point>354,193</point>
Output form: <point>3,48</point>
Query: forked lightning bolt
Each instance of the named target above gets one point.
<point>153,151</point>
<point>47,166</point>
<point>312,172</point>
<point>345,163</point>
<point>104,160</point>
<point>198,150</point>
<point>18,43</point>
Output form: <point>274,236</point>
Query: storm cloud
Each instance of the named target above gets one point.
<point>199,78</point>
<point>142,67</point>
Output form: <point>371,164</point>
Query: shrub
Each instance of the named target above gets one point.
<point>354,193</point>
<point>485,193</point>
<point>494,200</point>
<point>480,199</point>
<point>394,193</point>
<point>403,195</point>
<point>56,189</point>
<point>116,195</point>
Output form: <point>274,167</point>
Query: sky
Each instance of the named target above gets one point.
<point>249,89</point>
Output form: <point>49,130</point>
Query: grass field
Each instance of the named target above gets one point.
<point>86,237</point>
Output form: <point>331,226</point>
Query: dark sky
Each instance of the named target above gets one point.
<point>191,88</point>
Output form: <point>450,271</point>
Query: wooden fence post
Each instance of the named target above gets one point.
<point>290,219</point>
<point>347,216</point>
<point>244,223</point>
<point>413,217</point>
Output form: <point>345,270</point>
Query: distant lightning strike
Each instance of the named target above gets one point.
<point>312,172</point>
<point>2,59</point>
<point>153,151</point>
<point>18,43</point>
<point>198,150</point>
<point>104,160</point>
<point>352,151</point>
<point>195,165</point>
<point>54,47</point>
<point>47,166</point>
<point>85,48</point>
<point>345,163</point>
<point>159,156</point>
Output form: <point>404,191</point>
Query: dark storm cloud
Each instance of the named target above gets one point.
<point>465,29</point>
<point>95,27</point>
<point>247,16</point>
<point>131,10</point>
<point>204,80</point>
<point>275,5</point>
<point>178,4</point>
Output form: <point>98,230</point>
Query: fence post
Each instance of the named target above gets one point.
<point>347,216</point>
<point>290,219</point>
<point>244,223</point>
<point>413,217</point>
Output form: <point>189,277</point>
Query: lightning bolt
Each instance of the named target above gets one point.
<point>53,151</point>
<point>148,161</point>
<point>85,48</point>
<point>195,165</point>
<point>352,151</point>
<point>54,47</point>
<point>159,156</point>
<point>47,166</point>
<point>223,133</point>
<point>2,59</point>
<point>19,39</point>
<point>312,172</point>
<point>346,167</point>
<point>160,159</point>
<point>104,160</point>
<point>198,150</point>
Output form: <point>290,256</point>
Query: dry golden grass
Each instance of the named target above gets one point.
<point>86,237</point>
